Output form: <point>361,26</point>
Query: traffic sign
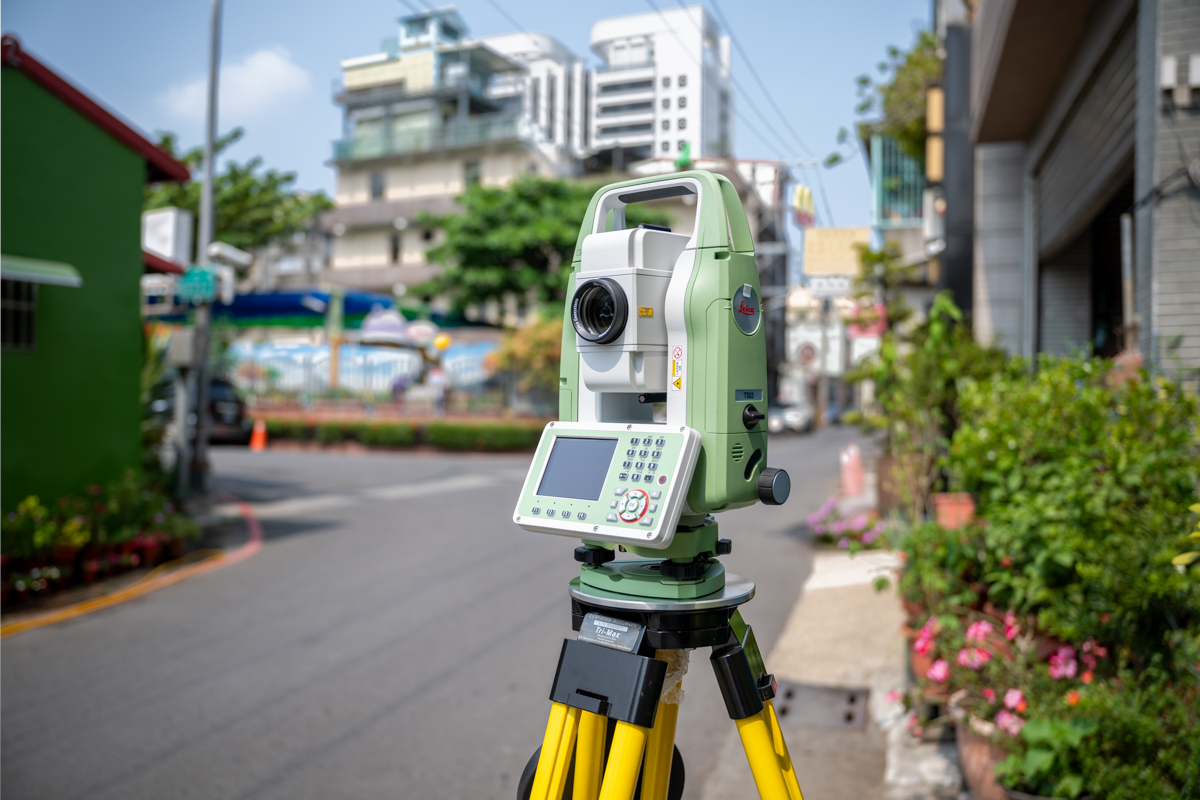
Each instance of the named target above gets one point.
<point>829,285</point>
<point>198,285</point>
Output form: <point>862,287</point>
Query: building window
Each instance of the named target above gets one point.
<point>682,142</point>
<point>682,102</point>
<point>616,130</point>
<point>551,106</point>
<point>378,185</point>
<point>666,103</point>
<point>666,147</point>
<point>682,123</point>
<point>535,100</point>
<point>624,108</point>
<point>682,81</point>
<point>427,235</point>
<point>18,307</point>
<point>666,83</point>
<point>395,248</point>
<point>620,88</point>
<point>471,173</point>
<point>666,124</point>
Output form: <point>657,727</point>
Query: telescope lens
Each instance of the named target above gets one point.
<point>599,310</point>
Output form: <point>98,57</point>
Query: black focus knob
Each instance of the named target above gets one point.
<point>724,547</point>
<point>594,555</point>
<point>751,416</point>
<point>774,486</point>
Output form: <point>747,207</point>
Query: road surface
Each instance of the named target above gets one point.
<point>395,638</point>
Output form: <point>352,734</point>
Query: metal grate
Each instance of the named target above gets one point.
<point>18,315</point>
<point>821,706</point>
<point>737,452</point>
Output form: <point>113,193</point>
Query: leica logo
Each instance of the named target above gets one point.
<point>745,309</point>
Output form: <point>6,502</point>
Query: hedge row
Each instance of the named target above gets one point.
<point>493,437</point>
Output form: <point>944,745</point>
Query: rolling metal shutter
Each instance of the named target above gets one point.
<point>1093,155</point>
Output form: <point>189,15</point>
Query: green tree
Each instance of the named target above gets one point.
<point>895,102</point>
<point>512,241</point>
<point>253,207</point>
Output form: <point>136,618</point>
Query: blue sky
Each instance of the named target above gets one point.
<point>146,59</point>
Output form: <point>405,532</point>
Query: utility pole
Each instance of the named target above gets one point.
<point>200,467</point>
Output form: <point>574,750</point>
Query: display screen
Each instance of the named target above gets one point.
<point>577,468</point>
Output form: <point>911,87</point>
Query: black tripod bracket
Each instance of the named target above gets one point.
<point>608,682</point>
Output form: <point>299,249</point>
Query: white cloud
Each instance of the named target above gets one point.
<point>262,82</point>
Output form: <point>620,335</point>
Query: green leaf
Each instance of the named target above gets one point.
<point>1038,730</point>
<point>1070,786</point>
<point>1037,761</point>
<point>1183,559</point>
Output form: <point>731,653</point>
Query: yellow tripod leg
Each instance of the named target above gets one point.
<point>589,756</point>
<point>760,752</point>
<point>660,747</point>
<point>624,762</point>
<point>555,759</point>
<point>781,752</point>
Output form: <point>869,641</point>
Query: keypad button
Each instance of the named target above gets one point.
<point>660,442</point>
<point>612,503</point>
<point>626,464</point>
<point>537,510</point>
<point>646,522</point>
<point>620,490</point>
<point>631,452</point>
<point>623,476</point>
<point>640,465</point>
<point>580,515</point>
<point>610,517</point>
<point>642,453</point>
<point>566,514</point>
<point>634,440</point>
<point>549,512</point>
<point>635,477</point>
<point>655,494</point>
<point>653,465</point>
<point>653,507</point>
<point>662,478</point>
<point>657,453</point>
<point>648,478</point>
<point>646,440</point>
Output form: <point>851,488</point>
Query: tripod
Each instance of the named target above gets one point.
<point>617,688</point>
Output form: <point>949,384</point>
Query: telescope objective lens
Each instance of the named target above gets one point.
<point>599,310</point>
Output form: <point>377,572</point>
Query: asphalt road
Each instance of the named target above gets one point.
<point>396,637</point>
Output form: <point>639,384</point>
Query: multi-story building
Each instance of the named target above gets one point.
<point>1083,113</point>
<point>664,84</point>
<point>426,116</point>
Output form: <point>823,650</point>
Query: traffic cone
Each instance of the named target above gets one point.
<point>258,437</point>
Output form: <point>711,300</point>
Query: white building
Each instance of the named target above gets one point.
<point>664,85</point>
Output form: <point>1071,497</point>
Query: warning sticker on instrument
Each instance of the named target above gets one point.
<point>676,379</point>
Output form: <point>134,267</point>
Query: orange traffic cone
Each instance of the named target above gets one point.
<point>258,437</point>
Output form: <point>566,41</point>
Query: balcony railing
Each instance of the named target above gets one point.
<point>897,185</point>
<point>479,130</point>
<point>649,62</point>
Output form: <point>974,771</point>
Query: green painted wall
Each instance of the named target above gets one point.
<point>69,411</point>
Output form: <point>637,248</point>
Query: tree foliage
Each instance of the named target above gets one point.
<point>894,104</point>
<point>512,241</point>
<point>533,353</point>
<point>253,207</point>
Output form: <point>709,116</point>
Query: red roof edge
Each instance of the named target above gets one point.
<point>159,165</point>
<point>154,263</point>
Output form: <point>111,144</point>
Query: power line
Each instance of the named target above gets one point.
<point>507,16</point>
<point>770,99</point>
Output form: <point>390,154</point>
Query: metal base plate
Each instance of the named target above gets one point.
<point>641,578</point>
<point>736,591</point>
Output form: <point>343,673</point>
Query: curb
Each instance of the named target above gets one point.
<point>160,577</point>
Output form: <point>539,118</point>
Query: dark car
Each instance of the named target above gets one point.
<point>228,423</point>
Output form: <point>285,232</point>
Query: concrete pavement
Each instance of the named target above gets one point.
<point>396,637</point>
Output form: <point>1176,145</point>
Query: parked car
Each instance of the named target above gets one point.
<point>797,418</point>
<point>228,422</point>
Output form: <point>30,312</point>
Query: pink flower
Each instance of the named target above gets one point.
<point>1013,698</point>
<point>860,521</point>
<point>912,719</point>
<point>924,642</point>
<point>939,672</point>
<point>1063,664</point>
<point>979,631</point>
<point>824,511</point>
<point>844,543</point>
<point>989,695</point>
<point>1009,723</point>
<point>892,697</point>
<point>1098,650</point>
<point>1011,628</point>
<point>973,658</point>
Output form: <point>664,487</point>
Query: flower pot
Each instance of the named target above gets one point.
<point>978,758</point>
<point>953,509</point>
<point>1013,794</point>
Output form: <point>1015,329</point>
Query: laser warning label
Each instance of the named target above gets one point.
<point>676,378</point>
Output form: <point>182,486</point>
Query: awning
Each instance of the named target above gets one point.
<point>36,270</point>
<point>152,263</point>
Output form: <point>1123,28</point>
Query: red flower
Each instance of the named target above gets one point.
<point>1006,561</point>
<point>1072,698</point>
<point>1087,676</point>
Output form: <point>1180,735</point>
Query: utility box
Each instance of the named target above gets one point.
<point>167,233</point>
<point>181,351</point>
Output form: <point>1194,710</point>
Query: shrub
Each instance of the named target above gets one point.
<point>385,434</point>
<point>330,433</point>
<point>494,437</point>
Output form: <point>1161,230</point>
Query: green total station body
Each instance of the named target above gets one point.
<point>700,364</point>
